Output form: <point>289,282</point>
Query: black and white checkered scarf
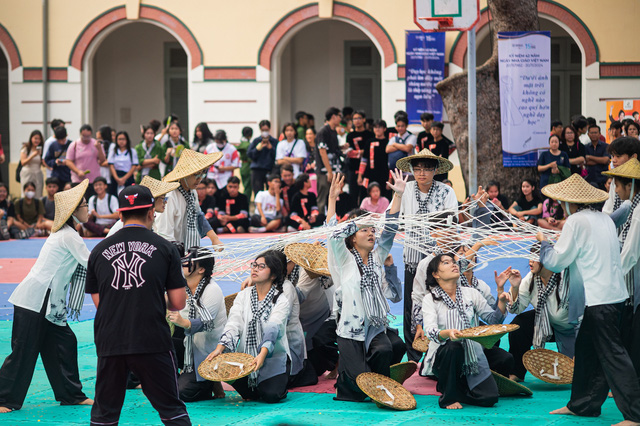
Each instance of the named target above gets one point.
<point>60,308</point>
<point>191,236</point>
<point>542,331</point>
<point>457,319</point>
<point>294,276</point>
<point>260,310</point>
<point>629,278</point>
<point>375,305</point>
<point>196,310</point>
<point>465,282</point>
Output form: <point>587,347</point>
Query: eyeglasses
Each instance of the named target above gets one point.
<point>83,205</point>
<point>165,199</point>
<point>200,174</point>
<point>423,170</point>
<point>258,266</point>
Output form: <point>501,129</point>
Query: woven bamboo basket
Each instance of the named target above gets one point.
<point>311,257</point>
<point>402,371</point>
<point>508,387</point>
<point>549,366</point>
<point>226,367</point>
<point>421,345</point>
<point>386,391</point>
<point>488,335</point>
<point>228,301</point>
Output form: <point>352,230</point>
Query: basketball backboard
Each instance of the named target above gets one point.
<point>446,15</point>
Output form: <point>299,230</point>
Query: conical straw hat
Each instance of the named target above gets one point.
<point>311,257</point>
<point>444,165</point>
<point>157,187</point>
<point>191,162</point>
<point>630,169</point>
<point>575,190</point>
<point>66,203</point>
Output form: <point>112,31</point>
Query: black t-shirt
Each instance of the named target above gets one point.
<point>425,139</point>
<point>440,147</point>
<point>358,141</point>
<point>208,205</point>
<point>575,151</point>
<point>303,205</point>
<point>131,271</point>
<point>232,205</point>
<point>8,209</point>
<point>380,170</point>
<point>528,205</point>
<point>327,139</point>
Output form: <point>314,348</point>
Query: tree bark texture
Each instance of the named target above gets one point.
<point>505,15</point>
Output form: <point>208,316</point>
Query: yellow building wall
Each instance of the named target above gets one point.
<point>231,33</point>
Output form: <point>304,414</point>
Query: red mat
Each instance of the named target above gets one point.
<point>13,271</point>
<point>415,384</point>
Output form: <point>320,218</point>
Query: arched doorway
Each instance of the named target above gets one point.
<point>343,70</point>
<point>4,116</point>
<point>566,69</point>
<point>137,72</point>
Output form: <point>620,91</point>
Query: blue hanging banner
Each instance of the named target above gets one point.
<point>424,69</point>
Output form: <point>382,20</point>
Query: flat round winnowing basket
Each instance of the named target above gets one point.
<point>421,345</point>
<point>488,335</point>
<point>386,391</point>
<point>228,301</point>
<point>226,367</point>
<point>508,387</point>
<point>311,257</point>
<point>549,366</point>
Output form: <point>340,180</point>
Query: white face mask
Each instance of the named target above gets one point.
<point>30,194</point>
<point>265,134</point>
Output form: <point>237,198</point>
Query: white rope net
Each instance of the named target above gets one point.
<point>500,234</point>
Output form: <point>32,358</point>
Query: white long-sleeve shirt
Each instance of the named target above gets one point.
<point>631,254</point>
<point>589,247</point>
<point>56,263</point>
<point>172,224</point>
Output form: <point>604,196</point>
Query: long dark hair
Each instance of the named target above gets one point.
<point>105,135</point>
<point>276,261</point>
<point>29,144</point>
<point>206,133</point>
<point>430,281</point>
<point>535,193</point>
<point>126,135</point>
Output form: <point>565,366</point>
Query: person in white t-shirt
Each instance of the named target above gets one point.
<point>223,169</point>
<point>103,211</point>
<point>268,213</point>
<point>291,150</point>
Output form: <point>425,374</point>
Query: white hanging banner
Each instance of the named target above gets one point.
<point>525,95</point>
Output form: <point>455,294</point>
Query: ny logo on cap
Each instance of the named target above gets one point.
<point>131,198</point>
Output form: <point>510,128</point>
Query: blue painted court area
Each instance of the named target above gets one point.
<point>298,408</point>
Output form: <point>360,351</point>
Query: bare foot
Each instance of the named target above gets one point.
<point>563,410</point>
<point>138,387</point>
<point>454,406</point>
<point>333,375</point>
<point>626,423</point>
<point>87,401</point>
<point>610,394</point>
<point>5,410</point>
<point>515,378</point>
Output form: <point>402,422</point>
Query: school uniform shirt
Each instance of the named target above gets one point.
<point>206,334</point>
<point>435,313</point>
<point>172,224</point>
<point>58,152</point>
<point>61,253</point>
<point>268,204</point>
<point>589,247</point>
<point>405,139</point>
<point>419,291</point>
<point>122,160</point>
<point>295,334</point>
<point>442,198</point>
<point>230,158</point>
<point>315,306</point>
<point>274,336</point>
<point>131,271</point>
<point>293,149</point>
<point>352,321</point>
<point>631,254</point>
<point>107,205</point>
<point>85,157</point>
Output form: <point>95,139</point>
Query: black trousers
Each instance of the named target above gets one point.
<point>601,362</point>
<point>412,354</point>
<point>305,377</point>
<point>447,367</point>
<point>520,341</point>
<point>258,179</point>
<point>324,355</point>
<point>630,330</point>
<point>271,390</point>
<point>33,335</point>
<point>385,349</point>
<point>191,390</point>
<point>500,360</point>
<point>157,373</point>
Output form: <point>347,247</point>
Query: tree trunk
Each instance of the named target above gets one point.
<point>506,15</point>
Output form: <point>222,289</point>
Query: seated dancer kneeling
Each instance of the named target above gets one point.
<point>364,340</point>
<point>548,293</point>
<point>257,326</point>
<point>461,367</point>
<point>199,325</point>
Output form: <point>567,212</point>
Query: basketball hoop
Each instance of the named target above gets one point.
<point>446,15</point>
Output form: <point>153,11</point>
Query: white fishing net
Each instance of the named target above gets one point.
<point>495,233</point>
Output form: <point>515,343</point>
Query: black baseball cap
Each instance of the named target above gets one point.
<point>135,197</point>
